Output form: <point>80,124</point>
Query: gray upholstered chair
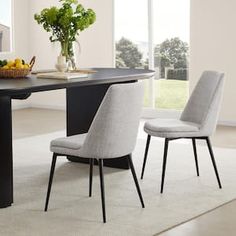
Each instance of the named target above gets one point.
<point>198,120</point>
<point>112,134</point>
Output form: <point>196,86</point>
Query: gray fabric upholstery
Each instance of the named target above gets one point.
<point>201,111</point>
<point>204,104</point>
<point>170,128</point>
<point>68,145</point>
<point>113,131</point>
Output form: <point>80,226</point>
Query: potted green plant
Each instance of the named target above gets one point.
<point>65,24</point>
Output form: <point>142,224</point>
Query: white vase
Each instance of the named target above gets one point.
<point>61,64</point>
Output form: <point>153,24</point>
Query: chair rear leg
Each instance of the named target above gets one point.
<point>54,159</point>
<point>164,163</point>
<point>135,179</point>
<point>145,154</point>
<point>100,163</point>
<point>91,162</point>
<point>195,155</point>
<point>213,160</point>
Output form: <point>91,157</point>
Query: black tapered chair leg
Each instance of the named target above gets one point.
<point>131,165</point>
<point>213,160</point>
<point>91,162</point>
<point>145,154</point>
<point>164,163</point>
<point>195,155</point>
<point>54,159</point>
<point>100,163</point>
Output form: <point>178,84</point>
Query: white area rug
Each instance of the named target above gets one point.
<point>72,212</point>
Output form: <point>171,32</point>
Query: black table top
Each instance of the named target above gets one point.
<point>102,76</point>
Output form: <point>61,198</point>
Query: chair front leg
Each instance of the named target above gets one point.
<point>91,162</point>
<point>145,155</point>
<point>131,165</point>
<point>100,163</point>
<point>195,155</point>
<point>54,159</point>
<point>213,160</point>
<point>164,163</point>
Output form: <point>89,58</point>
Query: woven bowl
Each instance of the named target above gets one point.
<point>16,73</point>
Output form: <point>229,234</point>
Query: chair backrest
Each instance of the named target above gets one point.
<point>204,104</point>
<point>113,132</point>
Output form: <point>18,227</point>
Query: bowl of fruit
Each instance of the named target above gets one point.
<point>17,68</point>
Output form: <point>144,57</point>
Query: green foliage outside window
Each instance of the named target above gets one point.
<point>127,54</point>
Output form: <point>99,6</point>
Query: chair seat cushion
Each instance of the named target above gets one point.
<point>68,145</point>
<point>170,128</point>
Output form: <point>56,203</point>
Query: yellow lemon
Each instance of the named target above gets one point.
<point>19,66</point>
<point>5,67</point>
<point>18,61</point>
<point>26,66</point>
<point>10,63</point>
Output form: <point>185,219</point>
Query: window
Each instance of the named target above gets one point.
<point>131,33</point>
<point>155,34</point>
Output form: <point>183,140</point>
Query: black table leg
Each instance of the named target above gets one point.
<point>82,105</point>
<point>6,171</point>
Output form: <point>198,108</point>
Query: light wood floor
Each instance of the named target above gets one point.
<point>220,222</point>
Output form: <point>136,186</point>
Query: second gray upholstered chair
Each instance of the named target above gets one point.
<point>198,120</point>
<point>112,134</point>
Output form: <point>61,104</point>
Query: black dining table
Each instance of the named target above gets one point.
<point>83,97</point>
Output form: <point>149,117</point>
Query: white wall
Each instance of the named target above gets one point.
<point>96,44</point>
<point>96,41</point>
<point>213,47</point>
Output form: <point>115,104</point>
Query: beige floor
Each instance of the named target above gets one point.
<point>30,122</point>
